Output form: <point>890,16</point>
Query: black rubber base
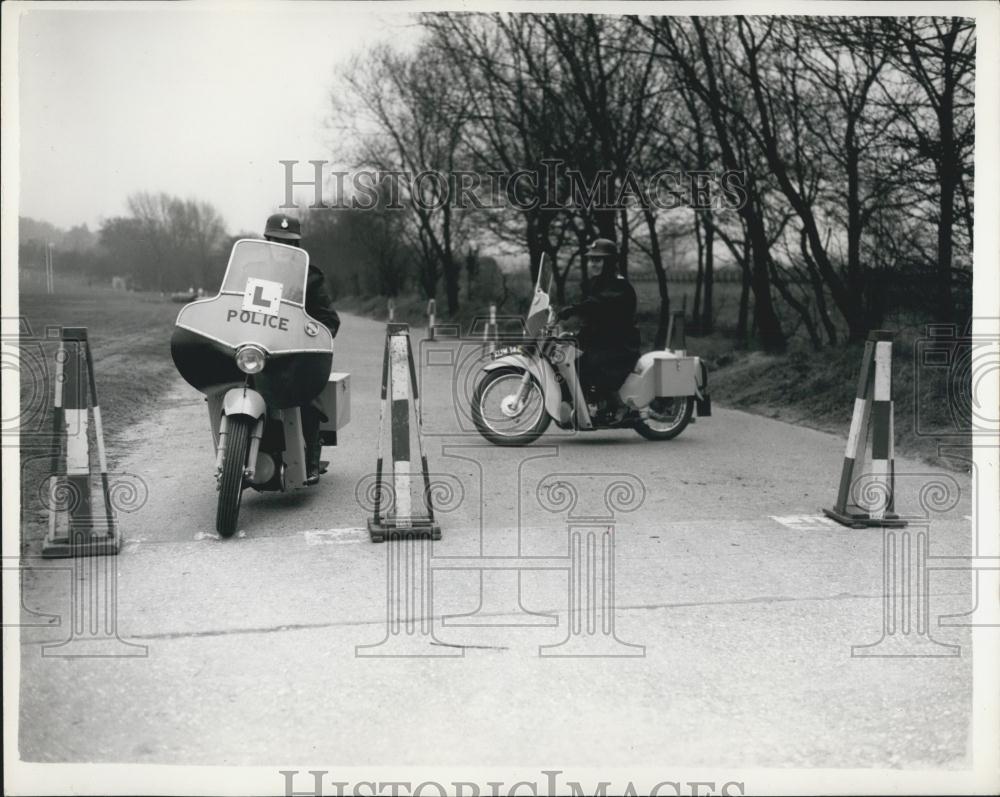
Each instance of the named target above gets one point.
<point>862,520</point>
<point>85,544</point>
<point>389,528</point>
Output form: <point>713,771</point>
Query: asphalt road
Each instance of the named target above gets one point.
<point>735,608</point>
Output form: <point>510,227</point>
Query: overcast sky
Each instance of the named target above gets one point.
<point>194,100</point>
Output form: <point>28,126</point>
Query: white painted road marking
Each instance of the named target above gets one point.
<point>806,522</point>
<point>344,536</point>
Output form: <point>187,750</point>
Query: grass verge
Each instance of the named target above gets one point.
<point>817,389</point>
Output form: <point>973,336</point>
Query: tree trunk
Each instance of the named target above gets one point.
<point>946,219</point>
<point>623,248</point>
<point>451,284</point>
<point>742,332</point>
<point>768,325</point>
<point>699,276</point>
<point>818,291</point>
<point>663,322</point>
<point>707,314</point>
<point>855,273</point>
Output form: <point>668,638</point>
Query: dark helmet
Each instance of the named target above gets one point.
<point>282,227</point>
<point>603,247</point>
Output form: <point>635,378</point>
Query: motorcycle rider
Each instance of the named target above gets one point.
<point>608,333</point>
<point>284,229</point>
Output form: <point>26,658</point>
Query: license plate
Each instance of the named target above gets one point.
<point>506,351</point>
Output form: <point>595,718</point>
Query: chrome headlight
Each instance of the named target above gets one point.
<point>250,359</point>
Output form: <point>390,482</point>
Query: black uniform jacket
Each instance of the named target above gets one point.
<point>607,315</point>
<point>319,305</point>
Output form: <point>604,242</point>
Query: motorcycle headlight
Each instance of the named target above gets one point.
<point>250,360</point>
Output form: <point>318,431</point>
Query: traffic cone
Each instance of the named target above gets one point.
<point>873,417</point>
<point>74,528</point>
<point>399,382</point>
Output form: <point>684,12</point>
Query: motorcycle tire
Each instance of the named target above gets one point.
<point>667,434</point>
<point>231,482</point>
<point>527,437</point>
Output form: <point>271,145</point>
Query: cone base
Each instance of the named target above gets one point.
<point>84,544</point>
<point>863,520</point>
<point>391,528</point>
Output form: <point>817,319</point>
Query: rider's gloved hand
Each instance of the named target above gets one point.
<point>565,312</point>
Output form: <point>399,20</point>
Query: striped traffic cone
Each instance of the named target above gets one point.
<point>399,381</point>
<point>873,415</point>
<point>74,528</point>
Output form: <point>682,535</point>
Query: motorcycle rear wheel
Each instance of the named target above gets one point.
<point>668,424</point>
<point>231,482</point>
<point>525,435</point>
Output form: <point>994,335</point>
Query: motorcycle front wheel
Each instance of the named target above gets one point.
<point>496,416</point>
<point>665,418</point>
<point>231,480</point>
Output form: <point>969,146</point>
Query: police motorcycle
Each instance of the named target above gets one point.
<point>258,356</point>
<point>526,386</point>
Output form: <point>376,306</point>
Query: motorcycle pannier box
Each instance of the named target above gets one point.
<point>335,400</point>
<point>674,376</point>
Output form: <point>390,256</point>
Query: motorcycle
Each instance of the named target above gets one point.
<point>527,385</point>
<point>258,357</point>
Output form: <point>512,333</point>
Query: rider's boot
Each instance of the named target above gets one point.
<point>610,410</point>
<point>310,432</point>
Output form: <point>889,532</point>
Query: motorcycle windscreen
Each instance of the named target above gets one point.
<point>260,303</point>
<point>268,271</point>
<point>538,313</point>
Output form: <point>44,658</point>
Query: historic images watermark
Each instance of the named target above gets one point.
<point>590,505</point>
<point>967,359</point>
<point>319,782</point>
<point>552,187</point>
<point>966,362</point>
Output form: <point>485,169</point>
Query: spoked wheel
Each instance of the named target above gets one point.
<point>665,418</point>
<point>498,415</point>
<point>231,480</point>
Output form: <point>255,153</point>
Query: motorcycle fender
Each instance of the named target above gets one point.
<point>542,372</point>
<point>243,401</point>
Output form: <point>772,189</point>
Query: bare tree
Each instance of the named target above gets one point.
<point>419,112</point>
<point>696,49</point>
<point>935,104</point>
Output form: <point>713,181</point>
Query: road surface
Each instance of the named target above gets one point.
<point>735,608</point>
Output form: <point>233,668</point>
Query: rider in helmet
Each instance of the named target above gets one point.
<point>284,229</point>
<point>608,334</point>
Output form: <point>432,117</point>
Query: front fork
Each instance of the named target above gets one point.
<point>255,436</point>
<point>522,393</point>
